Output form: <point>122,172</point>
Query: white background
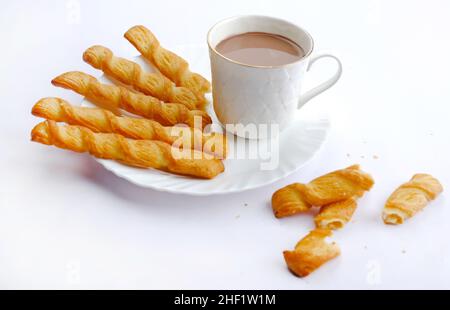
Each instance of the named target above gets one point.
<point>67,223</point>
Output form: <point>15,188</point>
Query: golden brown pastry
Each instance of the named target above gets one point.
<point>336,215</point>
<point>114,97</point>
<point>137,153</point>
<point>170,64</point>
<point>337,185</point>
<point>99,120</point>
<point>330,188</point>
<point>311,252</point>
<point>130,73</point>
<point>289,201</point>
<point>411,198</point>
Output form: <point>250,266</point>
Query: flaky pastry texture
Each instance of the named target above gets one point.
<point>311,252</point>
<point>114,97</point>
<point>288,201</point>
<point>336,215</point>
<point>170,64</point>
<point>336,186</point>
<point>333,187</point>
<point>100,120</point>
<point>138,153</point>
<point>130,73</point>
<point>410,198</point>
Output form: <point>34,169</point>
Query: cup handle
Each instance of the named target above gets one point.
<point>323,86</point>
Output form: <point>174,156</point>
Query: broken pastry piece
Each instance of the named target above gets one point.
<point>325,190</point>
<point>289,201</point>
<point>411,198</point>
<point>311,252</point>
<point>336,186</point>
<point>336,215</point>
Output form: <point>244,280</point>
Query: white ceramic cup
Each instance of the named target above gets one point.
<point>246,95</point>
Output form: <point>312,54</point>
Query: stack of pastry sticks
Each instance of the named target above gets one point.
<point>168,130</point>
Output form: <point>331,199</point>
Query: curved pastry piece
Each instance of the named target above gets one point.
<point>99,120</point>
<point>170,64</point>
<point>410,198</point>
<point>336,215</point>
<point>311,252</point>
<point>137,153</point>
<point>336,186</point>
<point>289,201</point>
<point>114,97</point>
<point>130,73</point>
<point>327,189</point>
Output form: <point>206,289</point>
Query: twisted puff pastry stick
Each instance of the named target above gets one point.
<point>138,153</point>
<point>99,120</point>
<point>170,64</point>
<point>130,73</point>
<point>113,97</point>
<point>410,198</point>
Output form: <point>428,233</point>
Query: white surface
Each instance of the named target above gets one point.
<point>250,164</point>
<point>65,222</point>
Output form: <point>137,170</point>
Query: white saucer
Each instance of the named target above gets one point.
<point>297,145</point>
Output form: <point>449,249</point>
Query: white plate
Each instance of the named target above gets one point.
<point>297,145</point>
